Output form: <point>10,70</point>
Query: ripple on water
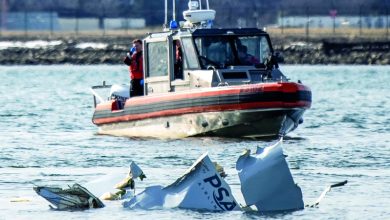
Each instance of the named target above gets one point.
<point>353,118</point>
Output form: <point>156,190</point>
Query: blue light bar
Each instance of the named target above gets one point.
<point>173,24</point>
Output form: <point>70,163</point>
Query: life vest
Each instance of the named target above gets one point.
<point>136,66</point>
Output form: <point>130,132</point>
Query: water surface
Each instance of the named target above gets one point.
<point>47,138</point>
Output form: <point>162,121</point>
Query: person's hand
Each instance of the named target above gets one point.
<point>132,50</point>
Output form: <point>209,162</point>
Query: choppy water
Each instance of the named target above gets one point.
<point>46,138</point>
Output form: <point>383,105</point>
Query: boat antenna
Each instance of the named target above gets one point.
<point>172,24</point>
<point>166,14</point>
<point>174,9</point>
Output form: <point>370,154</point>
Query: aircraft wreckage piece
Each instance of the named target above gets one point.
<point>201,187</point>
<point>266,180</point>
<point>114,186</point>
<point>266,183</point>
<point>75,197</point>
<point>78,197</point>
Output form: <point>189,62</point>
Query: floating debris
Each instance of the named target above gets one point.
<point>201,187</point>
<point>266,180</point>
<point>266,185</point>
<point>126,184</point>
<point>20,200</point>
<point>75,197</point>
<point>327,189</point>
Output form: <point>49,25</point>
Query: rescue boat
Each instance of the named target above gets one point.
<point>228,84</point>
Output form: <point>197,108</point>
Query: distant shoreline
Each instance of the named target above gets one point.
<point>112,49</point>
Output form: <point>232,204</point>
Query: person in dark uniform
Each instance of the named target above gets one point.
<point>178,67</point>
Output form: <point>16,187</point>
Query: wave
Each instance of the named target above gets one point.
<point>18,115</point>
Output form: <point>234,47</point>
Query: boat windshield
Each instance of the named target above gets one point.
<point>223,51</point>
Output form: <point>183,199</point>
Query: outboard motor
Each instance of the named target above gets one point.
<point>119,93</point>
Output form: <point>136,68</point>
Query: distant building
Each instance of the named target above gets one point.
<point>40,21</point>
<point>327,21</point>
<point>30,21</point>
<point>90,24</point>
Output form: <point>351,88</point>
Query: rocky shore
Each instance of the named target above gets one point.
<point>111,50</point>
<point>334,51</point>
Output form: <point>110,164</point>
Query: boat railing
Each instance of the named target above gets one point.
<point>97,98</point>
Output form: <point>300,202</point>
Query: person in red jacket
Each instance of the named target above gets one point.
<point>136,69</point>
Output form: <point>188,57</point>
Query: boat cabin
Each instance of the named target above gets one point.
<point>185,59</point>
<point>200,81</point>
